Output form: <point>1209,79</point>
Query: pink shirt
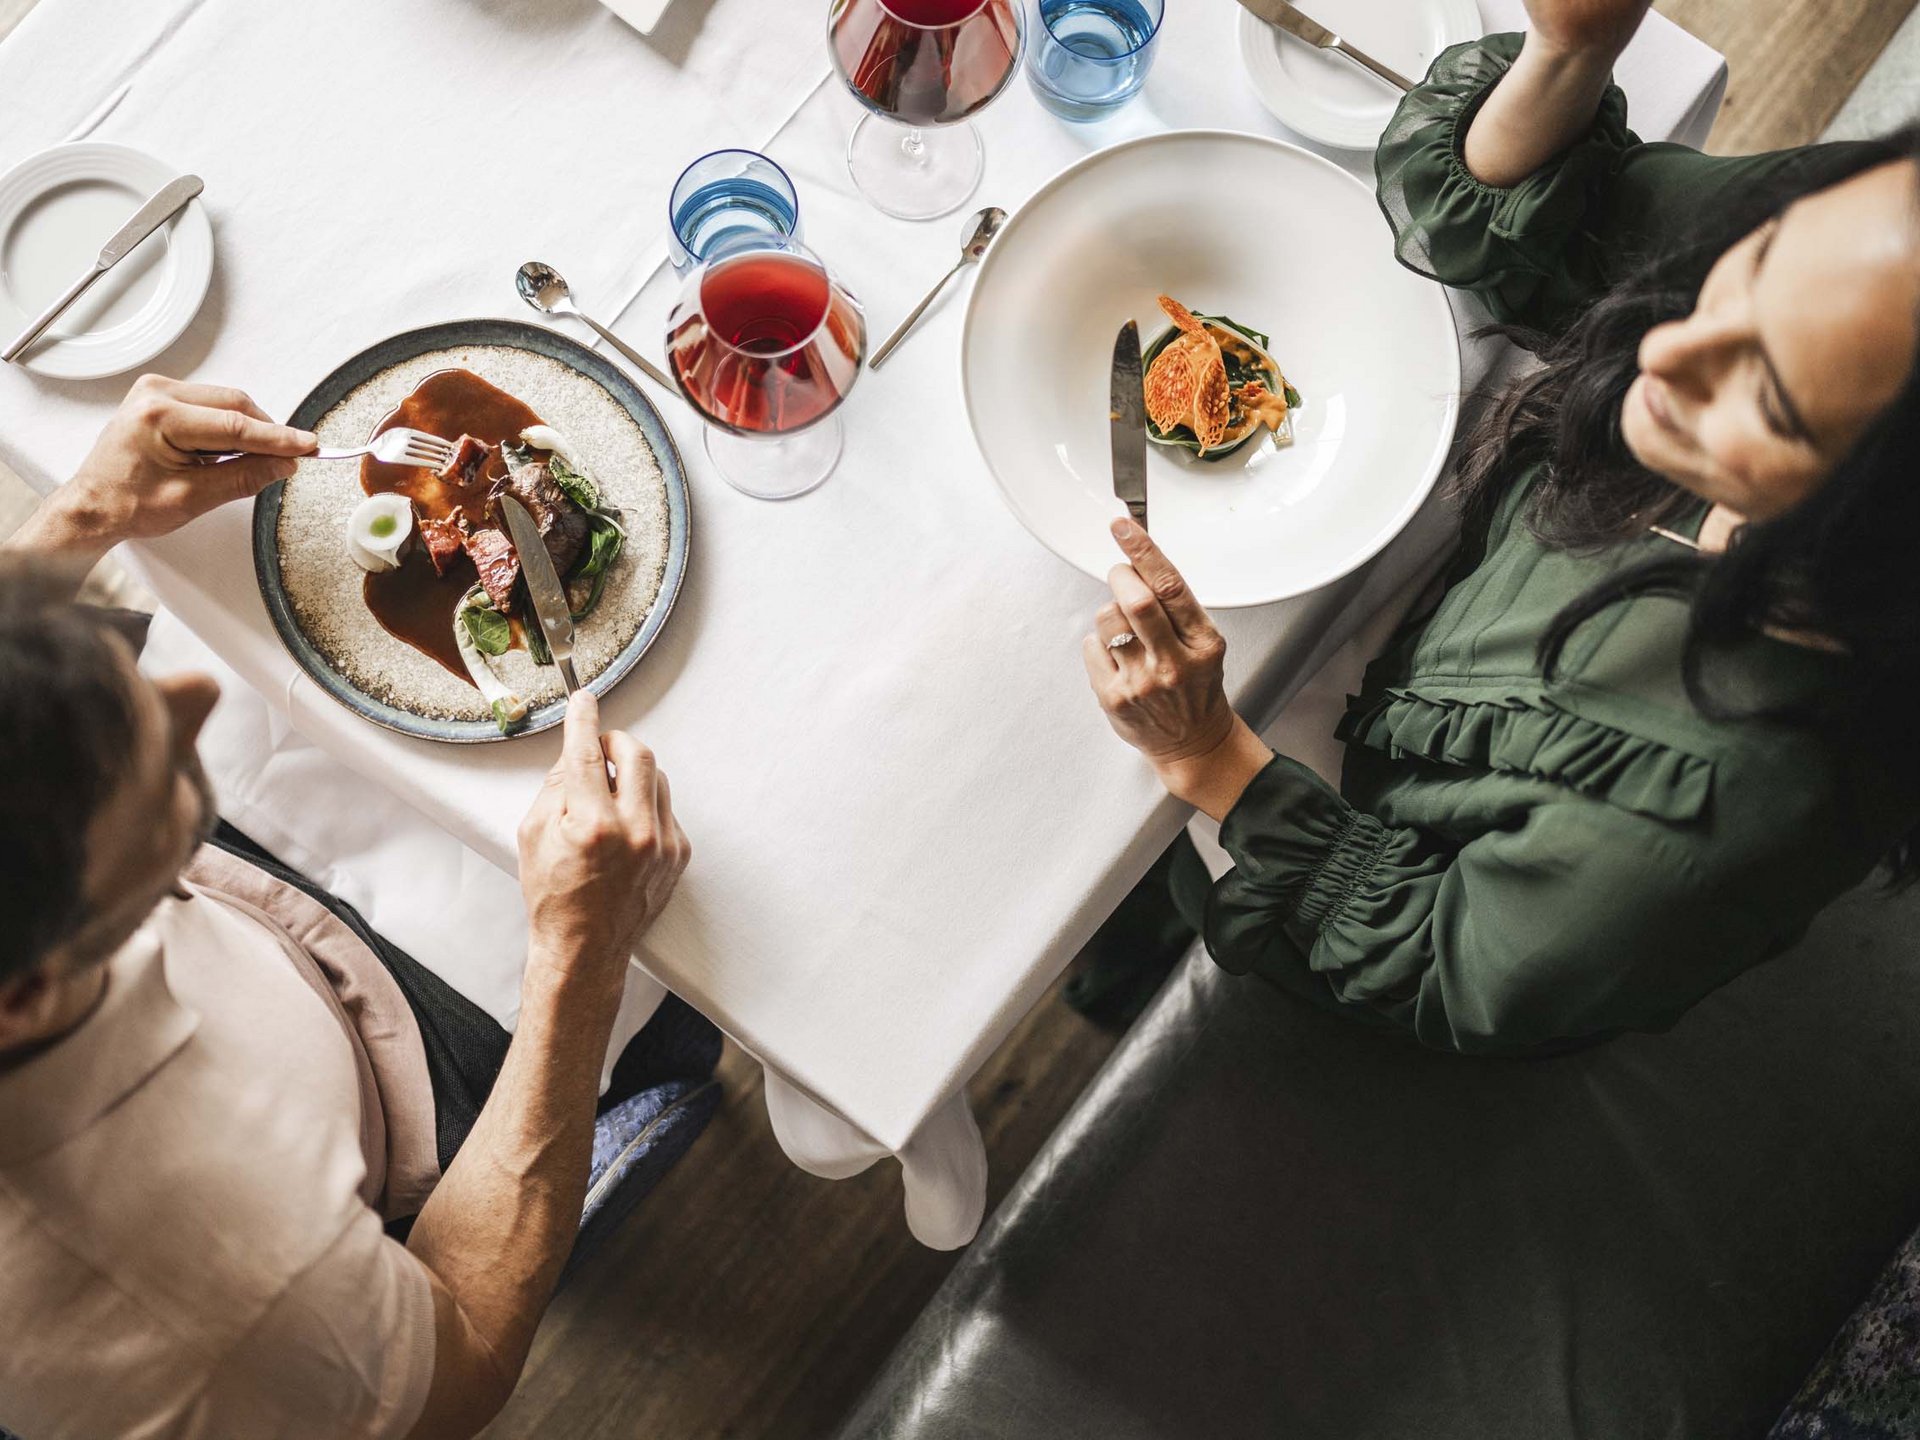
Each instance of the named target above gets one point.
<point>191,1186</point>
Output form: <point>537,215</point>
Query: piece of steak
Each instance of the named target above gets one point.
<point>443,541</point>
<point>469,460</point>
<point>562,525</point>
<point>499,567</point>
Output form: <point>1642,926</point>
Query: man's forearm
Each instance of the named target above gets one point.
<point>500,1223</point>
<point>58,531</point>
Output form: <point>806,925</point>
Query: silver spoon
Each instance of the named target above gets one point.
<point>545,289</point>
<point>980,232</point>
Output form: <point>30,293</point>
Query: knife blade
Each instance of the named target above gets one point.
<point>549,598</point>
<point>1127,415</point>
<point>148,218</point>
<point>1303,27</point>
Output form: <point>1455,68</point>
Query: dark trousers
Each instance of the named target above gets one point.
<point>1123,966</point>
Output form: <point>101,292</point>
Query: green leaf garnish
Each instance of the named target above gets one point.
<point>504,717</point>
<point>488,629</point>
<point>605,540</point>
<point>536,634</point>
<point>575,486</point>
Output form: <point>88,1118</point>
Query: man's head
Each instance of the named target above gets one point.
<point>102,799</point>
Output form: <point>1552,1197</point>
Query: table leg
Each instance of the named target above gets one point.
<point>943,1167</point>
<point>816,1139</point>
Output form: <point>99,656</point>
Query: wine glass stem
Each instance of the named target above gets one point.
<point>914,148</point>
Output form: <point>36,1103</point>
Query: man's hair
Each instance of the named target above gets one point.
<point>66,742</point>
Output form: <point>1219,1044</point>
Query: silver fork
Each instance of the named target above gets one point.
<point>398,446</point>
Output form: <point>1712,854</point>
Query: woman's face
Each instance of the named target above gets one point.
<point>1803,333</point>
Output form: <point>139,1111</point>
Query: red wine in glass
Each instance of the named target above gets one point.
<point>918,64</point>
<point>926,62</point>
<point>767,344</point>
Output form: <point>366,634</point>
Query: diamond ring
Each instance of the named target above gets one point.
<point>1121,641</point>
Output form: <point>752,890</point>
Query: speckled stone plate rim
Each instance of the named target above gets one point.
<point>395,350</point>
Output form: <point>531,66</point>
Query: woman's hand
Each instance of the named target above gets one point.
<point>146,475</point>
<point>1164,690</point>
<point>1570,27</point>
<point>597,862</point>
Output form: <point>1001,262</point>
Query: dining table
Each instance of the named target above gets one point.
<point>908,812</point>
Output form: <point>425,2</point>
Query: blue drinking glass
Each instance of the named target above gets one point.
<point>1090,57</point>
<point>726,201</point>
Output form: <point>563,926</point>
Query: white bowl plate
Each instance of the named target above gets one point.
<point>1326,97</point>
<point>57,209</point>
<point>1281,240</point>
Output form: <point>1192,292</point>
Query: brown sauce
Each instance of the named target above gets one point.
<point>412,603</point>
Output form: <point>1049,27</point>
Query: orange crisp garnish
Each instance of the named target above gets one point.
<point>1187,382</point>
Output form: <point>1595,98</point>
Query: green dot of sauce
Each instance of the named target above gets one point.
<point>383,526</point>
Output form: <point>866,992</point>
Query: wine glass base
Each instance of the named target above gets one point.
<point>915,174</point>
<point>777,467</point>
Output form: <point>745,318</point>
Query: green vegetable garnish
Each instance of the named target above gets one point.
<point>382,526</point>
<point>488,629</point>
<point>575,486</point>
<point>536,635</point>
<point>604,542</point>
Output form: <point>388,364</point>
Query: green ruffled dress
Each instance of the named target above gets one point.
<point>1515,862</point>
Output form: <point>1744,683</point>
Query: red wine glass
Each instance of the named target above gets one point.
<point>765,344</point>
<point>922,67</point>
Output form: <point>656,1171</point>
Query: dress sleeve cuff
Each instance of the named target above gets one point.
<point>1296,846</point>
<point>1452,227</point>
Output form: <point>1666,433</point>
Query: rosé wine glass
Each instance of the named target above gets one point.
<point>922,67</point>
<point>765,344</point>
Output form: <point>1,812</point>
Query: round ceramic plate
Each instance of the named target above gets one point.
<point>1326,97</point>
<point>1301,254</point>
<point>57,209</point>
<point>376,361</point>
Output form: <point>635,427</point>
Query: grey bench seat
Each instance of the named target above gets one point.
<point>1263,1221</point>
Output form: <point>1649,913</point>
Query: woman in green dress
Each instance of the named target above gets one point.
<point>1663,710</point>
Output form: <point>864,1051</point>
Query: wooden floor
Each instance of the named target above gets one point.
<point>1792,62</point>
<point>749,1300</point>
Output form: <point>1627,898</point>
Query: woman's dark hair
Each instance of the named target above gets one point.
<point>1844,563</point>
<point>66,739</point>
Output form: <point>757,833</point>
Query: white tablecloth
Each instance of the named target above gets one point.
<point>908,812</point>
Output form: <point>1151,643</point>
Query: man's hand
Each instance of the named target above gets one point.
<point>1165,691</point>
<point>597,863</point>
<point>147,474</point>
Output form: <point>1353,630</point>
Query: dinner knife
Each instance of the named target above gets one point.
<point>1127,414</point>
<point>147,219</point>
<point>549,597</point>
<point>1290,19</point>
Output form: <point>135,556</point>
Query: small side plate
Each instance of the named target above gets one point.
<point>1328,98</point>
<point>383,356</point>
<point>57,208</point>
